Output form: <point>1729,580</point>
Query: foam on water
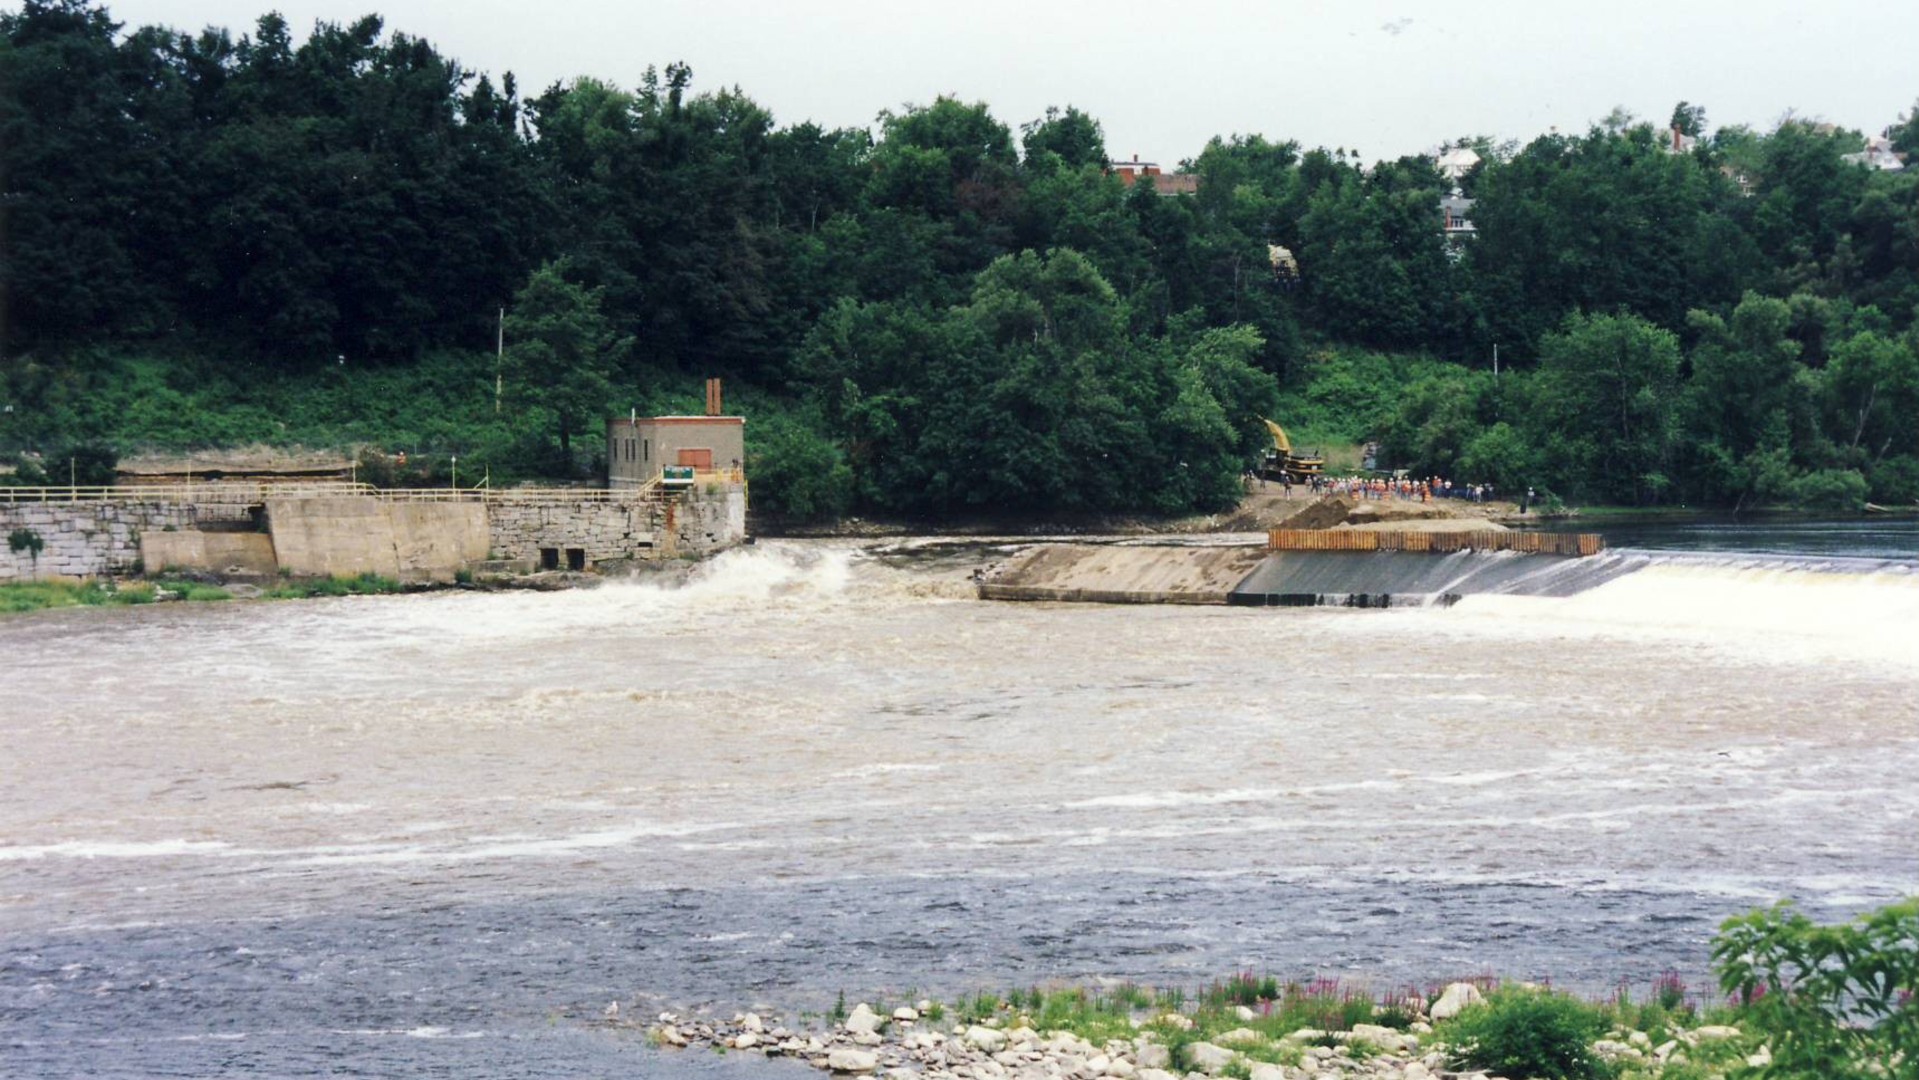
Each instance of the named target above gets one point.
<point>114,849</point>
<point>1772,609</point>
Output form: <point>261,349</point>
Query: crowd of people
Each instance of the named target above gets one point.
<point>1400,487</point>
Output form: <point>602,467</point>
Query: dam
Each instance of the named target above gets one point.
<point>1315,568</point>
<point>249,529</point>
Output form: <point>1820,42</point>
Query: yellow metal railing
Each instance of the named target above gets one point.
<point>233,492</point>
<point>248,493</point>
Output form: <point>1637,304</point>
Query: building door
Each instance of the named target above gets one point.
<point>699,459</point>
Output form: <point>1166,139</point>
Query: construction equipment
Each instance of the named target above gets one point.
<point>1282,464</point>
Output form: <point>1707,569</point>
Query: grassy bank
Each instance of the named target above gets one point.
<point>1515,1029</point>
<point>45,595</point>
<point>42,595</point>
<point>1794,1000</point>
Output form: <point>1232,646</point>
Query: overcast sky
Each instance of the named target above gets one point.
<point>1387,77</point>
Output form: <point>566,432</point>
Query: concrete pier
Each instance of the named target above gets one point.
<point>1125,575</point>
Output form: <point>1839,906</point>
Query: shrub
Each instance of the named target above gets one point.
<point>795,471</point>
<point>1834,1002</point>
<point>26,540</point>
<point>1535,1033</point>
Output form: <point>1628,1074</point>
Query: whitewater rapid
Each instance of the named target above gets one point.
<point>824,766</point>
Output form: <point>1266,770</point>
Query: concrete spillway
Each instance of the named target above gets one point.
<point>1255,577</point>
<point>1390,578</point>
<point>1125,575</point>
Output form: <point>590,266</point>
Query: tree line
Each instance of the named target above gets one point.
<point>941,314</point>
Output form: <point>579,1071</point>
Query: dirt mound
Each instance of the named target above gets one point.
<point>1323,513</point>
<point>1429,524</point>
<point>1394,515</point>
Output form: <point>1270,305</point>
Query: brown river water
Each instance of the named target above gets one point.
<point>436,834</point>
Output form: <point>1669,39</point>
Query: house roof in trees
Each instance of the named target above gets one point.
<point>1878,154</point>
<point>1131,172</point>
<point>1456,162</point>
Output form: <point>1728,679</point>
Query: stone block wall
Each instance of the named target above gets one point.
<point>84,539</point>
<point>351,535</point>
<point>696,522</point>
<point>709,521</point>
<point>602,530</point>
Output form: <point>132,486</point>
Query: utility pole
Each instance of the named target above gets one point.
<point>499,363</point>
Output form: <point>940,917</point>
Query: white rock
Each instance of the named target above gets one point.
<point>1416,1071</point>
<point>1664,1050</point>
<point>752,1022</point>
<point>1150,1057</point>
<point>906,1014</point>
<point>670,1036</point>
<point>1761,1059</point>
<point>863,1019</point>
<point>745,1040</point>
<point>901,1074</point>
<point>852,1061</point>
<point>985,1038</point>
<point>1264,1071</point>
<point>1243,1013</point>
<point>1121,1068</point>
<point>1385,1038</point>
<point>868,1038</point>
<point>1242,1035</point>
<point>1156,1074</point>
<point>1715,1032</point>
<point>1184,1023</point>
<point>1209,1058</point>
<point>1613,1050</point>
<point>1455,998</point>
<point>1639,1038</point>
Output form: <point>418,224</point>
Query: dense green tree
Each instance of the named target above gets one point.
<point>562,355</point>
<point>1602,408</point>
<point>1872,388</point>
<point>1071,140</point>
<point>1740,400</point>
<point>971,328</point>
<point>86,177</point>
<point>1436,420</point>
<point>1689,119</point>
<point>1591,224</point>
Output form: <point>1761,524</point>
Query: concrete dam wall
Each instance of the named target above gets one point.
<point>1257,577</point>
<point>1125,575</point>
<point>408,538</point>
<point>351,536</point>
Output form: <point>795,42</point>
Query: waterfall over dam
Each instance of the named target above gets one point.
<point>1249,577</point>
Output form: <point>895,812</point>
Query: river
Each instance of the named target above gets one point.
<point>435,835</point>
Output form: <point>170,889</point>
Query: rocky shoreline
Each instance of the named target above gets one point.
<point>913,1043</point>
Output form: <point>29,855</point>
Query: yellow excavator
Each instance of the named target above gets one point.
<point>1282,464</point>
